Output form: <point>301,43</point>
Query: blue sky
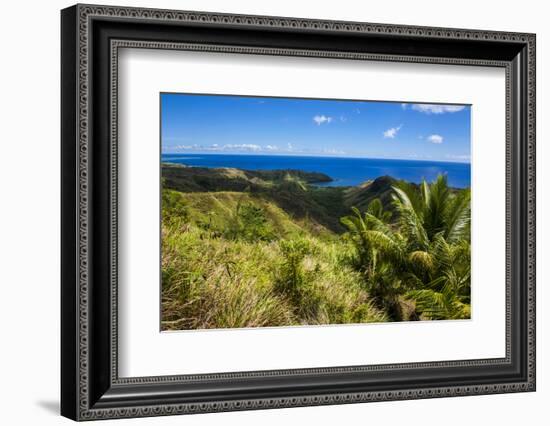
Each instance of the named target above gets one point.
<point>291,126</point>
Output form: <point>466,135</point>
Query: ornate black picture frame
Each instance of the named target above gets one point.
<point>91,36</point>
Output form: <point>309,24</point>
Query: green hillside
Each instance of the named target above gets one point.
<point>267,248</point>
<point>294,191</point>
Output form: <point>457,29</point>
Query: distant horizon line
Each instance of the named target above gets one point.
<point>287,154</point>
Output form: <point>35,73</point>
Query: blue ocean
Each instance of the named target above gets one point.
<point>343,171</point>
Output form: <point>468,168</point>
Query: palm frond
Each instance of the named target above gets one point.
<point>415,198</point>
<point>410,223</point>
<point>434,212</point>
<point>458,216</point>
<point>422,259</point>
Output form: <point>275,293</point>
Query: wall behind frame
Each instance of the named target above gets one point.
<point>30,226</point>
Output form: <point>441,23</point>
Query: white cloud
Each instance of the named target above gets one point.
<point>242,147</point>
<point>392,132</point>
<point>437,109</point>
<point>320,119</point>
<point>458,157</point>
<point>333,151</point>
<point>404,106</point>
<point>435,138</point>
<point>287,148</point>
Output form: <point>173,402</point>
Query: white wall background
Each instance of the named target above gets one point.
<point>29,212</point>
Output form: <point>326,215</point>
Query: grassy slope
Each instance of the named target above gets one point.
<point>361,195</point>
<point>214,211</point>
<point>211,281</point>
<point>288,189</point>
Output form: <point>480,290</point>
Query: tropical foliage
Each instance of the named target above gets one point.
<point>423,258</point>
<point>253,249</point>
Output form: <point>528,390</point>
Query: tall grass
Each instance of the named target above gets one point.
<point>216,280</point>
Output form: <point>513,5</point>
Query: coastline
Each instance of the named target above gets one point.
<point>333,172</point>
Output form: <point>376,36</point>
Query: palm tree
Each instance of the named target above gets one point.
<point>424,257</point>
<point>444,291</point>
<point>436,222</point>
<point>433,210</point>
<point>380,253</point>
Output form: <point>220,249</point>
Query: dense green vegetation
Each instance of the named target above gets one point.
<point>269,248</point>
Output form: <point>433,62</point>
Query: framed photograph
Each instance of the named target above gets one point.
<point>263,212</point>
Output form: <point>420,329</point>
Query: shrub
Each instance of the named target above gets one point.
<point>291,272</point>
<point>250,223</point>
<point>174,210</point>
